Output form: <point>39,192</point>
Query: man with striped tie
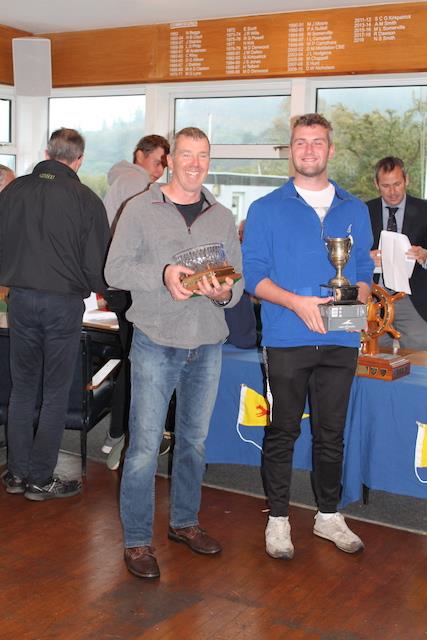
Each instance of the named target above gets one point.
<point>400,212</point>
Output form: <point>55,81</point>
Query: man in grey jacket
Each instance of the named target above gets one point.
<point>176,343</point>
<point>126,180</point>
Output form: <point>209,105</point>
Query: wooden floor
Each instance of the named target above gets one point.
<point>63,576</point>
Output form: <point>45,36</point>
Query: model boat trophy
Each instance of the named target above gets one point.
<point>345,312</point>
<point>205,260</point>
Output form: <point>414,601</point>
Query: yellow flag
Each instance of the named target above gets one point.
<point>254,410</point>
<point>421,446</point>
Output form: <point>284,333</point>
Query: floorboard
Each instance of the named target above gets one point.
<point>63,576</point>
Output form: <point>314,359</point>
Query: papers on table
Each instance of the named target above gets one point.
<point>102,317</point>
<point>397,268</point>
<point>95,316</point>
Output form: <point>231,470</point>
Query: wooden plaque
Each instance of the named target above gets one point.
<point>192,282</point>
<point>383,366</point>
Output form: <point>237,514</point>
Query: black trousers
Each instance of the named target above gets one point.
<point>119,302</point>
<point>44,330</point>
<point>326,374</point>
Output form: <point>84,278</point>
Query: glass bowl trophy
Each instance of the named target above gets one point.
<point>205,260</point>
<point>345,312</point>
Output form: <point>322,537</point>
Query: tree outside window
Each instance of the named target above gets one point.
<point>371,123</point>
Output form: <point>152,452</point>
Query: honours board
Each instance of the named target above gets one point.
<point>376,39</point>
<point>337,41</point>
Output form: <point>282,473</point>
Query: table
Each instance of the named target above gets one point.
<point>380,432</point>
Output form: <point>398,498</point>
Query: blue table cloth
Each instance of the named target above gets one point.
<point>380,432</point>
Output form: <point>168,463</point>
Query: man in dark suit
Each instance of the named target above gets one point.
<point>398,211</point>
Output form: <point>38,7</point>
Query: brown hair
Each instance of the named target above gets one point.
<point>387,165</point>
<point>148,144</point>
<point>311,120</point>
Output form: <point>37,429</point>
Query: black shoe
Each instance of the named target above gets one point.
<point>56,488</point>
<point>13,484</point>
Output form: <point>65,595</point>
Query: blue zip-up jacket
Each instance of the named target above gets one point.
<point>284,241</point>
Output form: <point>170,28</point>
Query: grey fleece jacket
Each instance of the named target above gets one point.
<point>125,180</point>
<point>149,232</point>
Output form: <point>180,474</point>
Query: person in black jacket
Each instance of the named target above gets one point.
<point>398,211</point>
<point>54,235</point>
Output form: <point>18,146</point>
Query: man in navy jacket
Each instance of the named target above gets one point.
<point>285,262</point>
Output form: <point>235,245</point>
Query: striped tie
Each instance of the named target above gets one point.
<point>391,222</point>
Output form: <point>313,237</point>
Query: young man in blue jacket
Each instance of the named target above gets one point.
<point>285,262</point>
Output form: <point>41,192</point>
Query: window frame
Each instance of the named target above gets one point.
<point>9,148</point>
<point>234,89</point>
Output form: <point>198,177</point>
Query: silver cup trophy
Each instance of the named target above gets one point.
<point>205,260</point>
<point>344,312</point>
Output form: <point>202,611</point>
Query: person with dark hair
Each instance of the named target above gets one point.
<point>6,176</point>
<point>400,212</point>
<point>176,344</point>
<point>54,234</point>
<point>125,180</point>
<point>285,263</point>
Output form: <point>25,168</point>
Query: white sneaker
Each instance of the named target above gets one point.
<point>278,543</point>
<point>115,456</point>
<point>336,530</point>
<point>110,442</point>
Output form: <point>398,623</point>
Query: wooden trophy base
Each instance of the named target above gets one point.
<point>382,366</point>
<point>192,282</point>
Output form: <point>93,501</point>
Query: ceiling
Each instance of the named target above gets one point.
<point>50,16</point>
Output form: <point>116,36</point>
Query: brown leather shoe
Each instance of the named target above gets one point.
<point>142,562</point>
<point>196,538</point>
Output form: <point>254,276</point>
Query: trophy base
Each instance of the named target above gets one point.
<point>382,366</point>
<point>192,282</point>
<point>344,317</point>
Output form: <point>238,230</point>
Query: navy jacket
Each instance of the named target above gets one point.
<point>415,227</point>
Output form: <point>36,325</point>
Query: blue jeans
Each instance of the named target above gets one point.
<point>155,372</point>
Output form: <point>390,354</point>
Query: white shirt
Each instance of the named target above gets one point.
<point>319,200</point>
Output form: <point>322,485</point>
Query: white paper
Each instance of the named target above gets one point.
<point>397,268</point>
<point>91,302</point>
<point>97,315</point>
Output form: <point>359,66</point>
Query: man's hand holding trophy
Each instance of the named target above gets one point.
<point>202,270</point>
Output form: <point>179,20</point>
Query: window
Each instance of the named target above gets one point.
<point>5,121</point>
<point>371,123</point>
<point>248,135</point>
<point>111,126</point>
